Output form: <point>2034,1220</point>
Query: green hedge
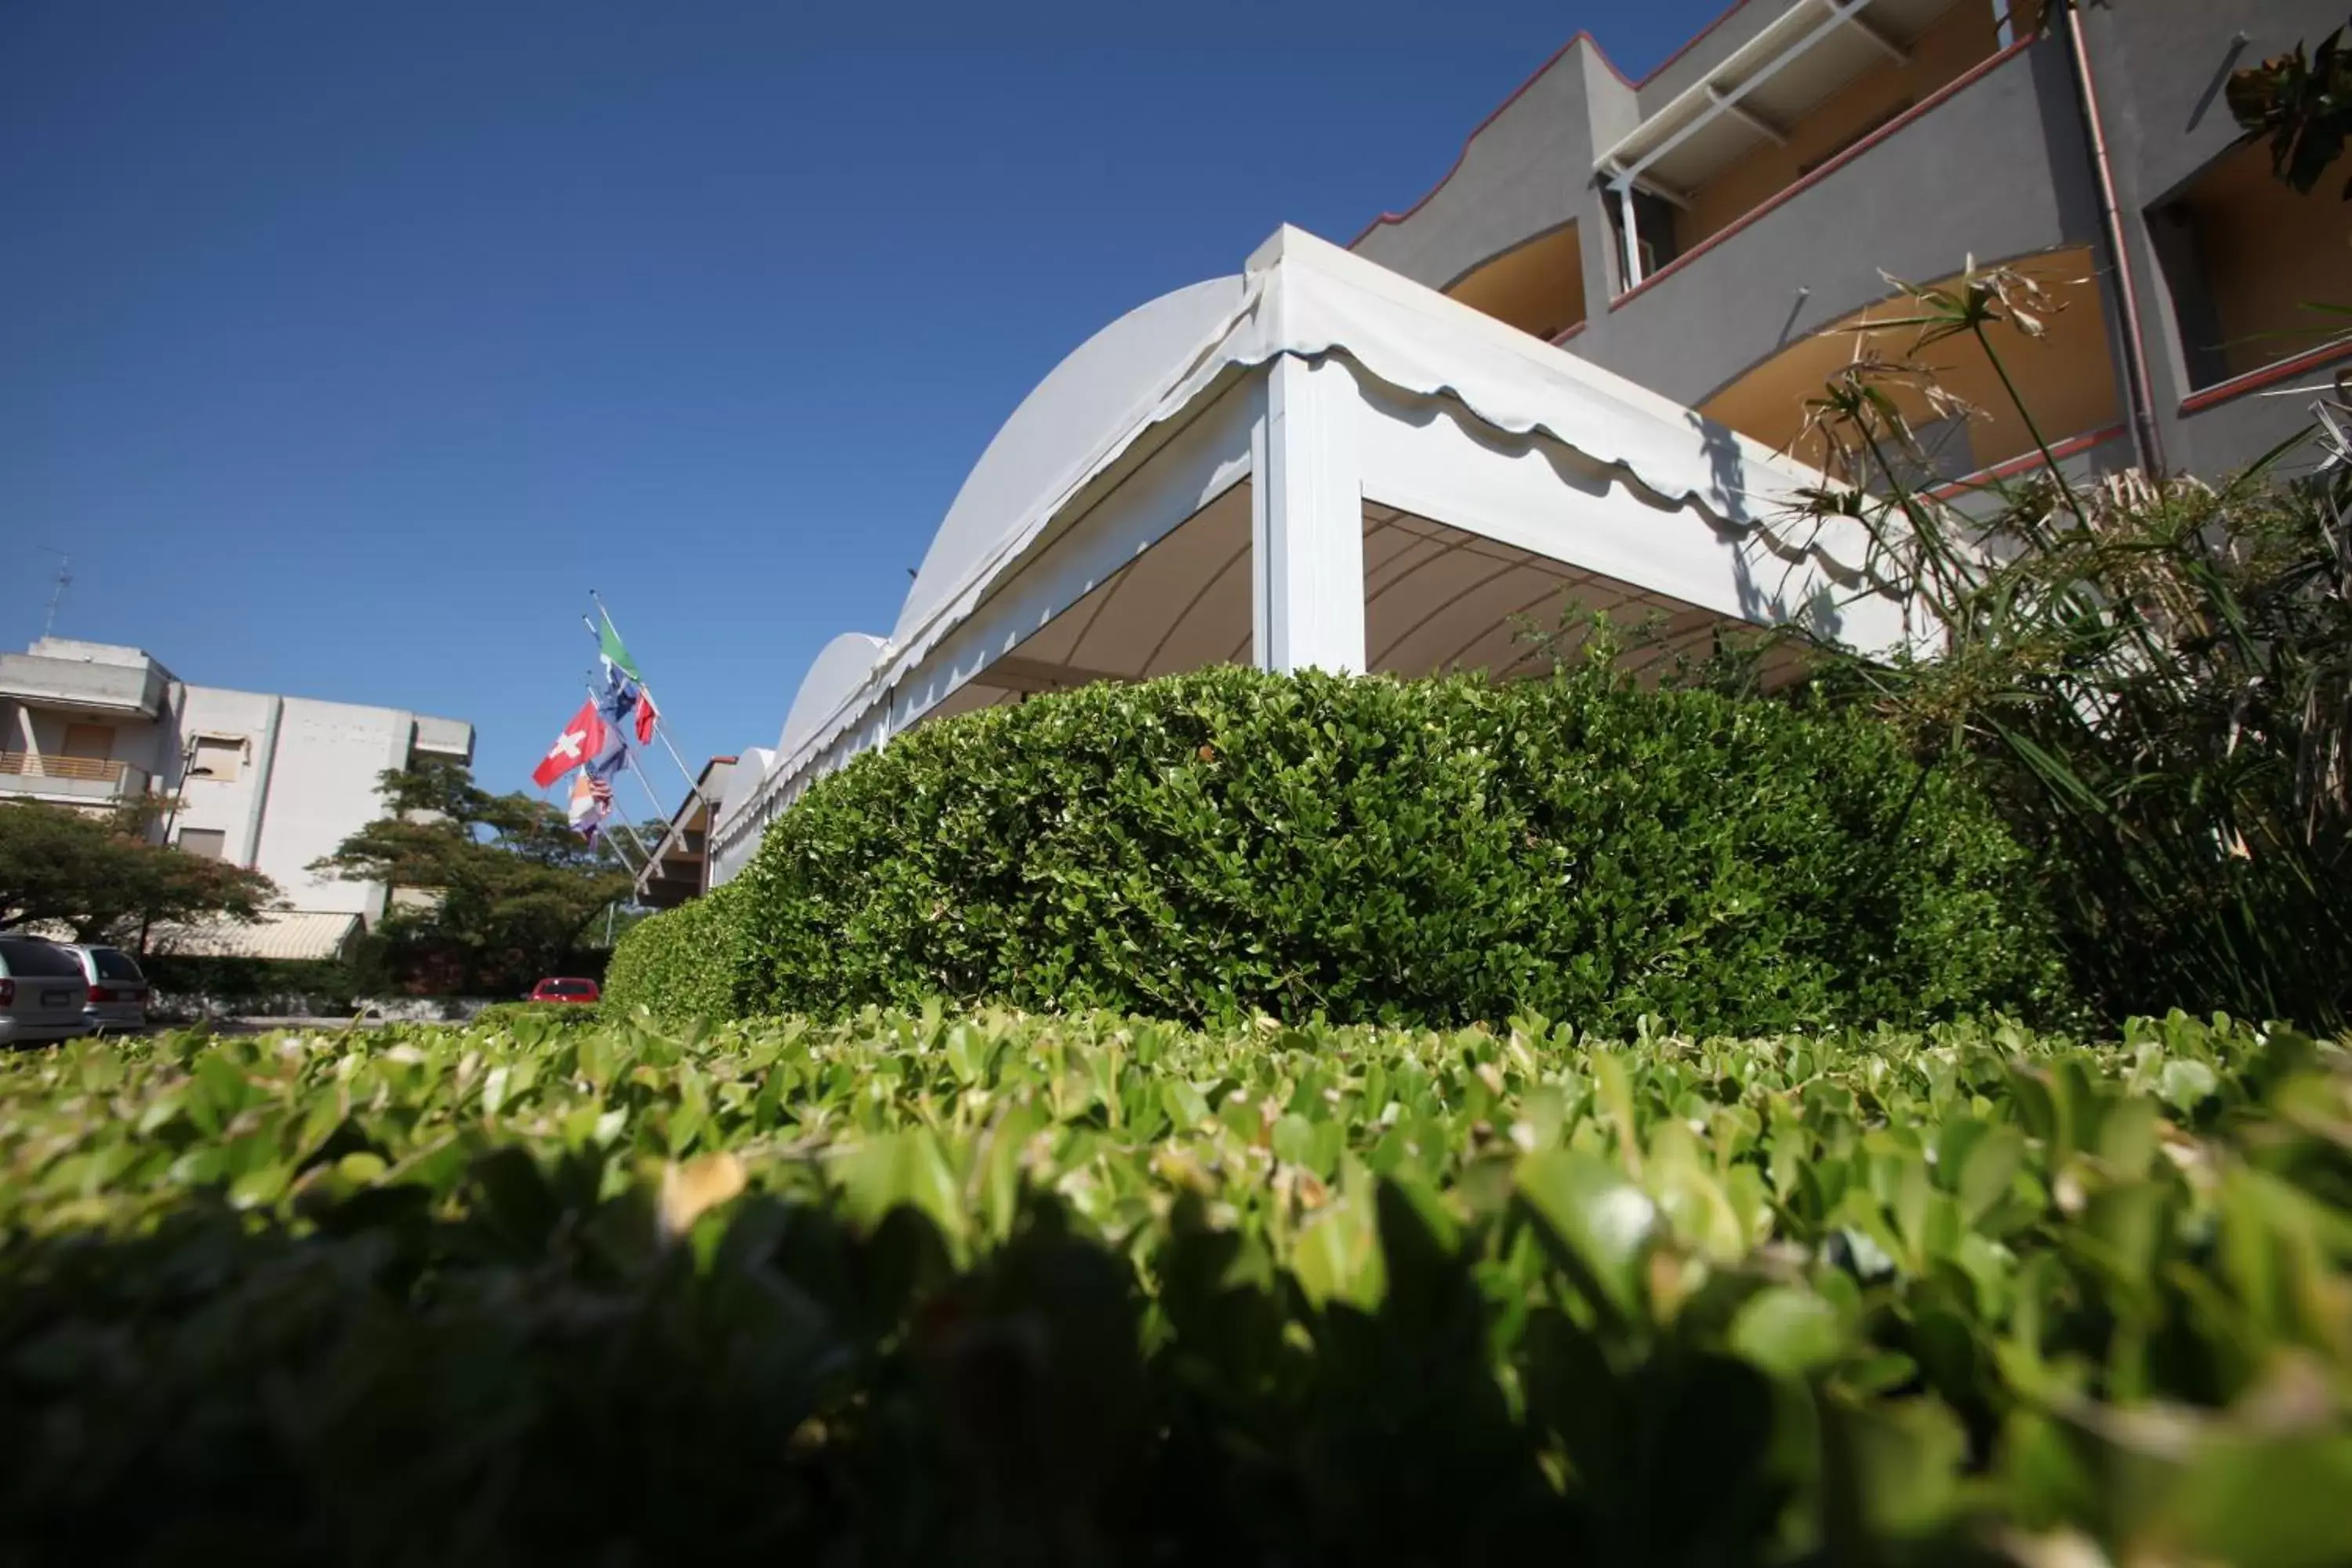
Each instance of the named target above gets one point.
<point>1215,844</point>
<point>940,1292</point>
<point>682,962</point>
<point>239,979</point>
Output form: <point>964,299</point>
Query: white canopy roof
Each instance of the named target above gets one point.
<point>840,669</point>
<point>1304,296</point>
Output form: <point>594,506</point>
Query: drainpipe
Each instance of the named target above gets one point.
<point>2145,438</point>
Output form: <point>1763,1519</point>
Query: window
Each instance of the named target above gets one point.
<point>1654,232</point>
<point>2244,258</point>
<point>93,741</point>
<point>218,758</point>
<point>26,959</point>
<point>114,965</point>
<point>211,843</point>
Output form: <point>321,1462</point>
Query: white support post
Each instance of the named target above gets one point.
<point>1306,520</point>
<point>1629,231</point>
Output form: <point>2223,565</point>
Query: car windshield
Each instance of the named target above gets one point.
<point>24,959</point>
<point>567,987</point>
<point>114,965</point>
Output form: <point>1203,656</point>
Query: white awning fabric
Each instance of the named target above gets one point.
<point>282,934</point>
<point>1301,296</point>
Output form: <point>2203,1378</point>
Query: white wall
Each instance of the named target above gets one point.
<point>323,789</point>
<point>231,806</point>
<point>305,775</point>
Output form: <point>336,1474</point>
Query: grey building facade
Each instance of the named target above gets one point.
<point>1722,230</point>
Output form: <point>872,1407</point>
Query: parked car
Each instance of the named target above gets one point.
<point>42,991</point>
<point>116,997</point>
<point>565,991</point>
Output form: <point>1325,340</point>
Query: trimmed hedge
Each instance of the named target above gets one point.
<point>679,963</point>
<point>238,979</point>
<point>936,1291</point>
<point>1216,845</point>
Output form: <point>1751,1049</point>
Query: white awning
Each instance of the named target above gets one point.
<point>1305,296</point>
<point>1793,64</point>
<point>280,934</point>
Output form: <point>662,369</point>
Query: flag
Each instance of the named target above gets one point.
<point>615,709</point>
<point>582,739</point>
<point>617,705</point>
<point>617,664</point>
<point>591,802</point>
<point>608,643</point>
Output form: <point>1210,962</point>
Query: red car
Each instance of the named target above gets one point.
<point>565,991</point>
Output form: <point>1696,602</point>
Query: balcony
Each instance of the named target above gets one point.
<point>445,737</point>
<point>1914,199</point>
<point>70,781</point>
<point>102,689</point>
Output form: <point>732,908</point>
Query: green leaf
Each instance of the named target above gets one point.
<point>1787,1330</point>
<point>1605,1222</point>
<point>903,1168</point>
<point>2186,1083</point>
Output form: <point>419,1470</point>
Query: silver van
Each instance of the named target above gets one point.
<point>118,990</point>
<point>42,991</point>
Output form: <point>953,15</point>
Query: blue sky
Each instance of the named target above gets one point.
<point>346,346</point>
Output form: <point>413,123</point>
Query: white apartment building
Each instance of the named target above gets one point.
<point>270,783</point>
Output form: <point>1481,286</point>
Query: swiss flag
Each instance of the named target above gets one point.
<point>582,739</point>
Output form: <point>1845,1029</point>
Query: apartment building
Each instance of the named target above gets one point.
<point>270,783</point>
<point>1717,230</point>
<point>677,866</point>
<point>1575,375</point>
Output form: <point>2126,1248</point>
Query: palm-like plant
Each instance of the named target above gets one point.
<point>2156,674</point>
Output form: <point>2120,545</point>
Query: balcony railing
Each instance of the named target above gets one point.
<point>85,776</point>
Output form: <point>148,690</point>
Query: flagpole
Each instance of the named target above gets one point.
<point>646,785</point>
<point>623,859</point>
<point>692,788</point>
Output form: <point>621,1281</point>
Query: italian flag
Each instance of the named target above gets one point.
<point>617,656</point>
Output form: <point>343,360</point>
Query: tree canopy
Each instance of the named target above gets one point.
<point>510,886</point>
<point>100,876</point>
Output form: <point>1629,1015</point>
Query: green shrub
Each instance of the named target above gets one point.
<point>1214,845</point>
<point>251,979</point>
<point>925,1290</point>
<point>679,963</point>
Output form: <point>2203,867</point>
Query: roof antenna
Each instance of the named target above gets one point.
<point>57,593</point>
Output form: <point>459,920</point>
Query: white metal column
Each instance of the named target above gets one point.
<point>1306,520</point>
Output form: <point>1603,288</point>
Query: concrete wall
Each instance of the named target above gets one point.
<point>2002,169</point>
<point>1525,171</point>
<point>2159,66</point>
<point>322,788</point>
<point>233,806</point>
<point>71,673</point>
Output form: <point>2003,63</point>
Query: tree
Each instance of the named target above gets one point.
<point>96,876</point>
<point>512,886</point>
